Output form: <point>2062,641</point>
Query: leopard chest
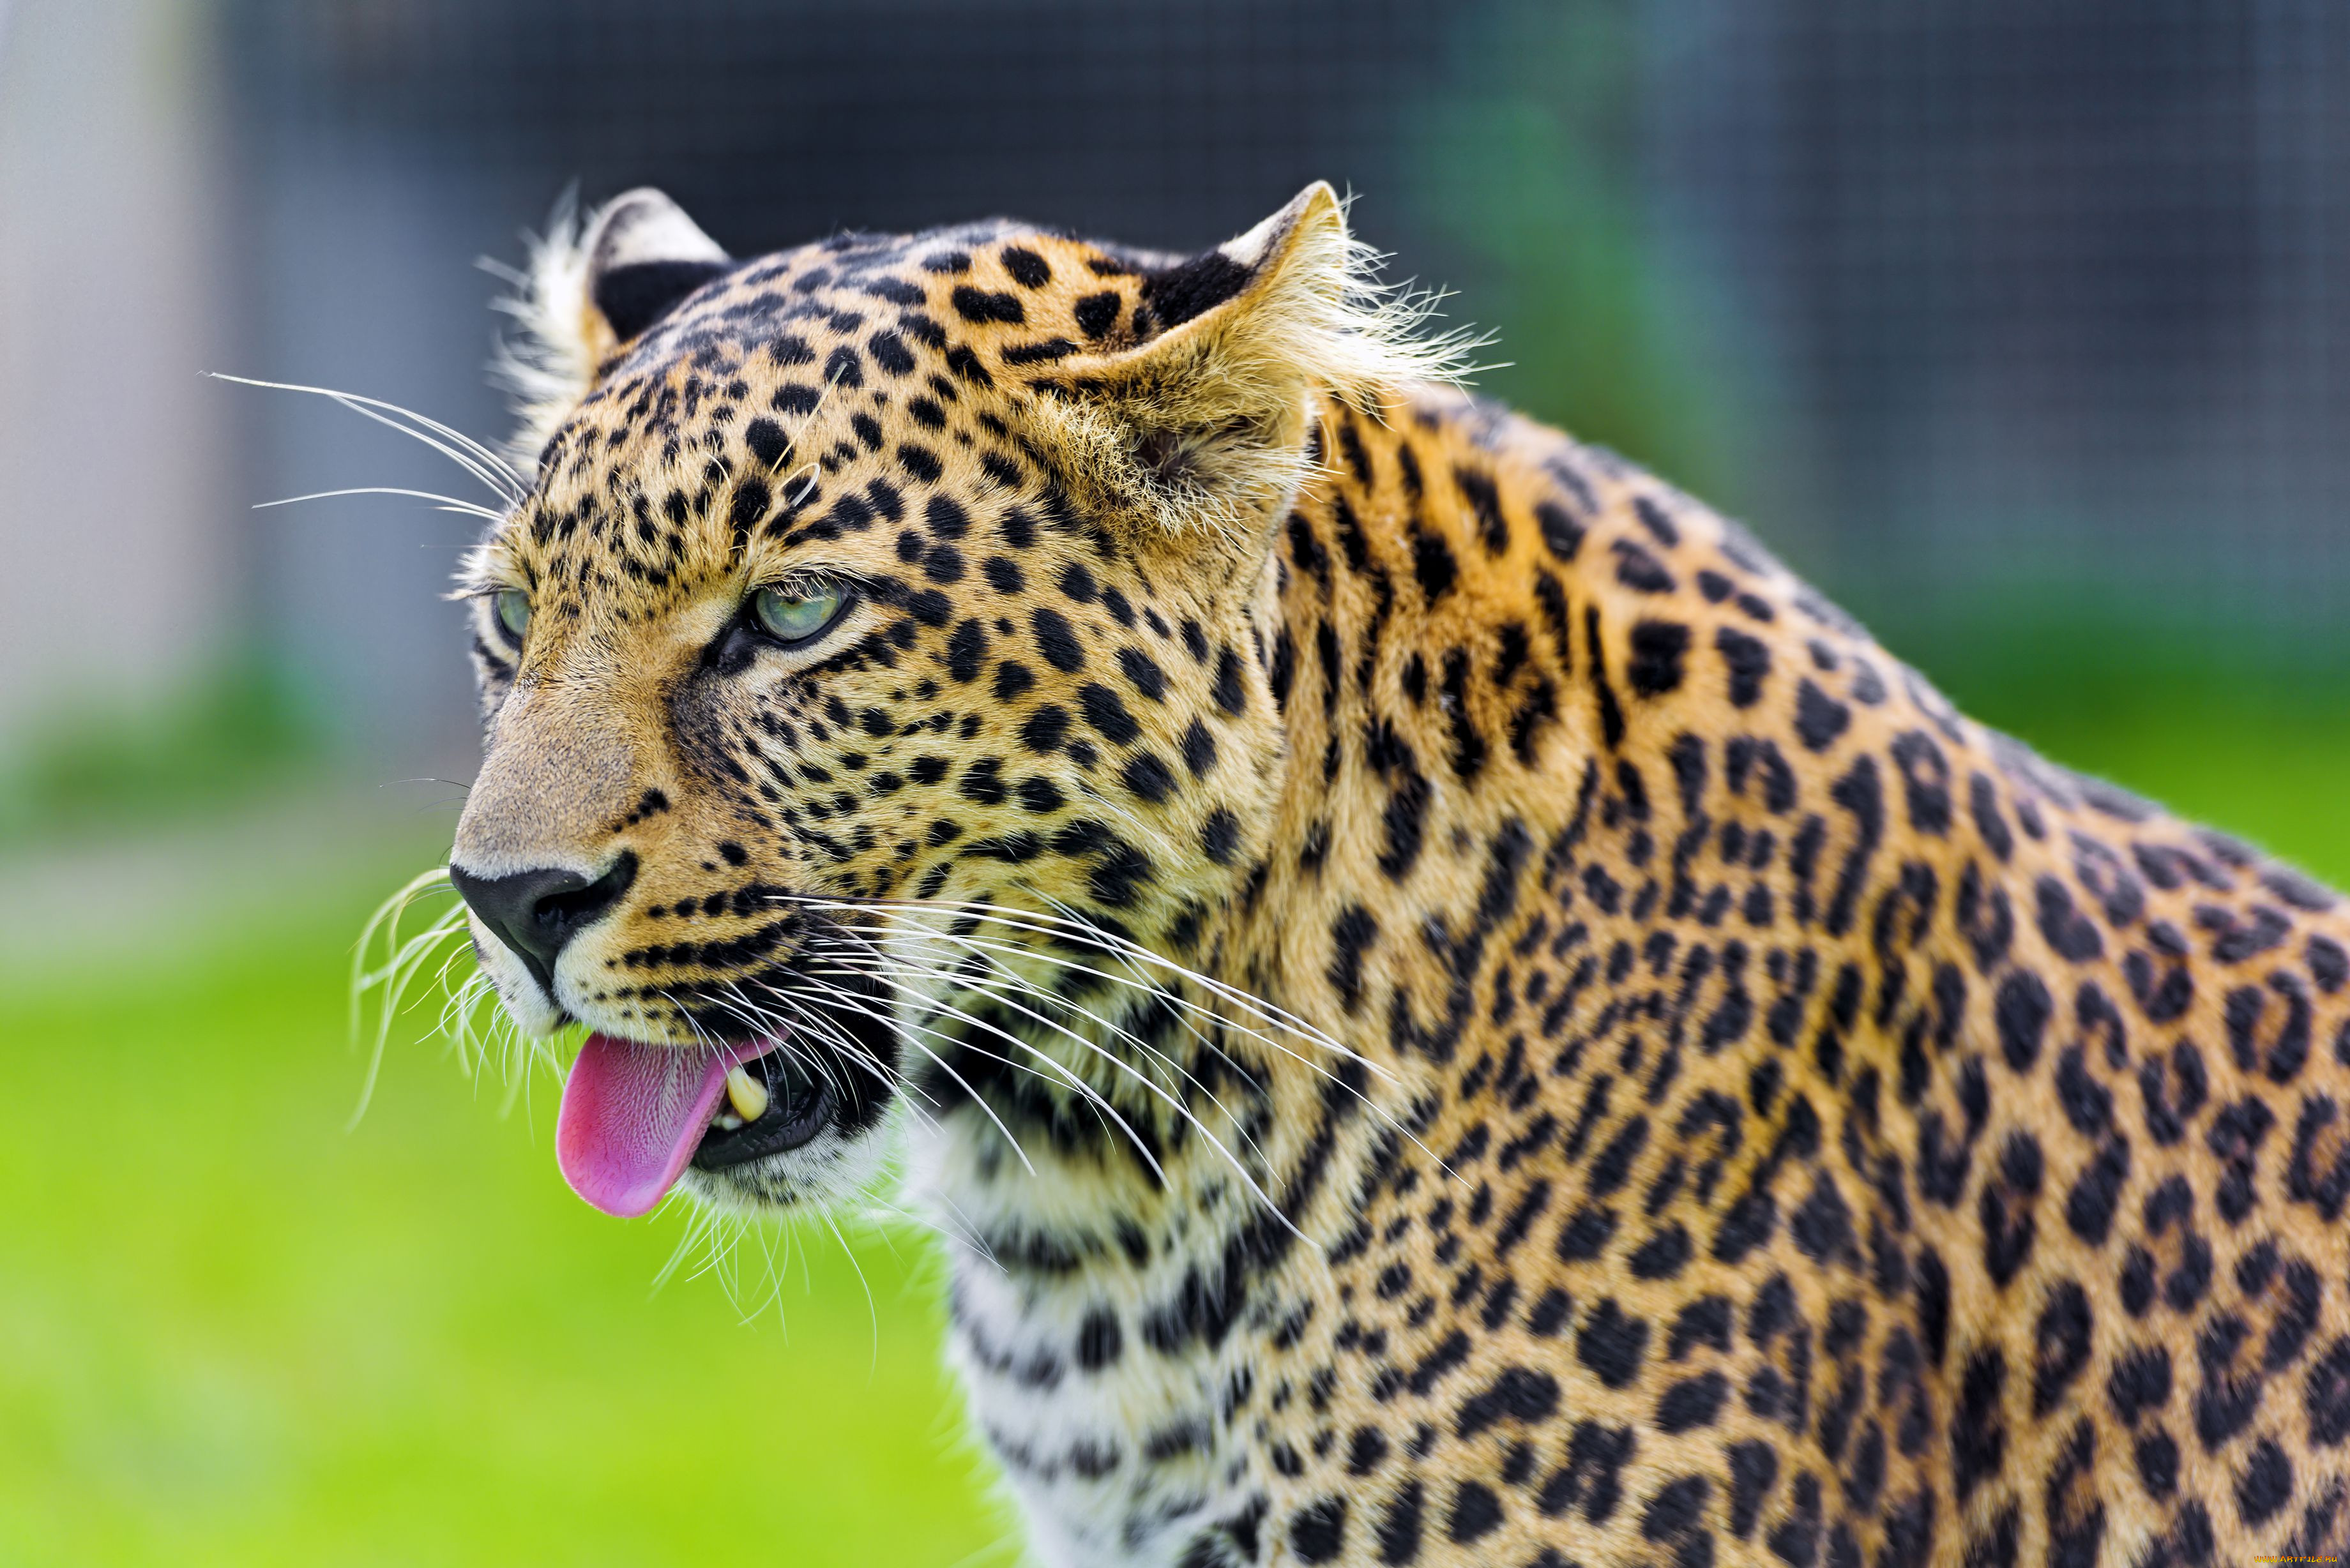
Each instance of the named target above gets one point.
<point>1105,1353</point>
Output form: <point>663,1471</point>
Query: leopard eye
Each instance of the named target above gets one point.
<point>798,615</point>
<point>512,606</point>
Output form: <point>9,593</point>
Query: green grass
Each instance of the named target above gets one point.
<point>2287,791</point>
<point>232,1332</point>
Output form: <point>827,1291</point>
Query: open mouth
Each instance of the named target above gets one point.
<point>636,1115</point>
<point>769,1103</point>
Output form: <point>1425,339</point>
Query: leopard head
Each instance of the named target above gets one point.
<point>884,640</point>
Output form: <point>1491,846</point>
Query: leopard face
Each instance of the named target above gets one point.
<point>877,601</point>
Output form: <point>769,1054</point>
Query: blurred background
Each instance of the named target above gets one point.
<point>2017,325</point>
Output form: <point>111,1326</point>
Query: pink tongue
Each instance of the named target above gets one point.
<point>631,1115</point>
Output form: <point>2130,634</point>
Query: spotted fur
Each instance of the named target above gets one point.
<point>1454,1012</point>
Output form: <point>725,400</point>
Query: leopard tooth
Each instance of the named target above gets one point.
<point>746,1094</point>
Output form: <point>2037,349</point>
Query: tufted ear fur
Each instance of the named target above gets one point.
<point>1204,425</point>
<point>591,287</point>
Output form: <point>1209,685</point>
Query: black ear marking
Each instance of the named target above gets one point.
<point>632,297</point>
<point>1195,287</point>
<point>1198,284</point>
<point>644,255</point>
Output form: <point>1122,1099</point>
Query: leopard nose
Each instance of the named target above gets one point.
<point>536,913</point>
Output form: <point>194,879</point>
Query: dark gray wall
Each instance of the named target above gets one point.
<point>1978,308</point>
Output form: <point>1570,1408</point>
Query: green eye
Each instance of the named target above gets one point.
<point>512,606</point>
<point>797,615</point>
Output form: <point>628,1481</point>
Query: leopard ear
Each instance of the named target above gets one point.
<point>644,255</point>
<point>1204,423</point>
<point>591,287</point>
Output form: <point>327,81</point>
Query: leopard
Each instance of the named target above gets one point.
<point>1444,1007</point>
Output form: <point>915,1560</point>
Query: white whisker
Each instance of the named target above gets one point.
<point>1113,1059</point>
<point>961,1083</point>
<point>1012,981</point>
<point>448,503</point>
<point>483,464</point>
